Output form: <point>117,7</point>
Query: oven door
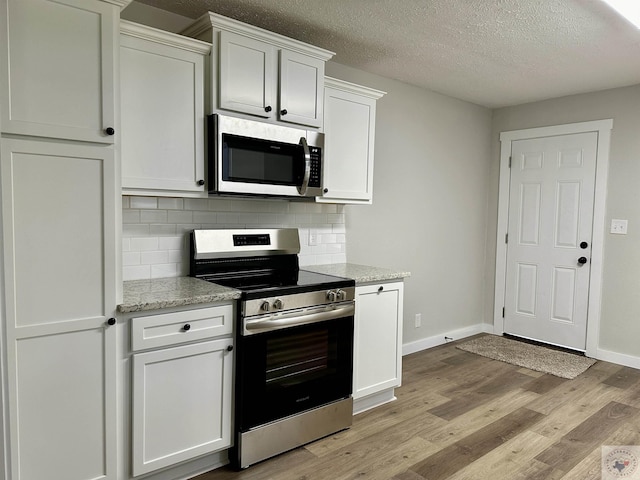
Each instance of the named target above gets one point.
<point>291,370</point>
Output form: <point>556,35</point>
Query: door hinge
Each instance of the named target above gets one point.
<point>510,161</point>
<point>506,238</point>
<point>502,312</point>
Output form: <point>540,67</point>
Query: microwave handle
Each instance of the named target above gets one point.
<point>302,189</point>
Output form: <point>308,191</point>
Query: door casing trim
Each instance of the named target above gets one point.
<point>603,129</point>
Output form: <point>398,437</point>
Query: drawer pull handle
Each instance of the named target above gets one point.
<point>230,348</point>
<point>186,327</point>
<point>380,289</point>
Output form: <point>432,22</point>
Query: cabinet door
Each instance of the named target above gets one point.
<point>162,110</point>
<point>248,75</point>
<point>57,68</point>
<point>181,403</point>
<point>377,338</point>
<point>301,89</point>
<point>349,126</point>
<point>59,223</point>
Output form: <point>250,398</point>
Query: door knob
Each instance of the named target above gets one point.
<point>583,245</point>
<point>582,260</point>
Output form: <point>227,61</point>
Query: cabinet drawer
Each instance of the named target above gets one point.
<point>179,327</point>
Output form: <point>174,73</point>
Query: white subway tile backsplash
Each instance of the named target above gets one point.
<point>196,203</point>
<point>143,202</point>
<point>156,230</point>
<point>130,258</point>
<point>144,244</point>
<point>135,230</point>
<point>179,216</point>
<point>153,216</point>
<point>172,243</point>
<point>130,216</point>
<point>136,272</point>
<point>171,203</point>
<point>162,229</point>
<point>154,258</point>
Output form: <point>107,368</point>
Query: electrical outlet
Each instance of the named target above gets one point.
<point>619,226</point>
<point>313,238</point>
<point>418,320</point>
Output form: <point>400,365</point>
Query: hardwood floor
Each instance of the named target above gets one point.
<point>461,416</point>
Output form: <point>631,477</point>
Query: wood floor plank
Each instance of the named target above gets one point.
<point>453,458</point>
<point>623,378</point>
<point>584,403</point>
<point>588,435</point>
<point>450,432</point>
<point>500,463</point>
<point>544,384</point>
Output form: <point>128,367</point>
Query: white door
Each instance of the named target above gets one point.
<point>549,238</point>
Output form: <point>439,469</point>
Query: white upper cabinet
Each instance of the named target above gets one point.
<point>349,127</point>
<point>162,110</point>
<point>248,75</point>
<point>57,76</point>
<point>261,73</point>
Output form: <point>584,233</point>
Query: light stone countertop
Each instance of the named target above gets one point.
<point>360,273</point>
<point>143,295</point>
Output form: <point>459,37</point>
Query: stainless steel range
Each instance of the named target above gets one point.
<point>294,340</point>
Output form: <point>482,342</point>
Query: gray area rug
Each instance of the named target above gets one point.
<point>533,357</point>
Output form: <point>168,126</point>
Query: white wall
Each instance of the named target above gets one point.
<point>620,316</point>
<point>431,180</point>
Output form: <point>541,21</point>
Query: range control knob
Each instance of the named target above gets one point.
<point>341,295</point>
<point>331,296</point>
<point>278,304</point>
<point>264,306</point>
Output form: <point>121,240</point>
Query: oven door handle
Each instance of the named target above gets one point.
<point>262,325</point>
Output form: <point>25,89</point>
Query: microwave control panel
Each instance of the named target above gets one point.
<point>316,169</point>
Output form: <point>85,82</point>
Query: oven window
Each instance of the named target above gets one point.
<point>299,358</point>
<point>254,160</point>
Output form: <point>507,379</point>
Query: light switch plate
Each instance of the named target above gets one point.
<point>619,226</point>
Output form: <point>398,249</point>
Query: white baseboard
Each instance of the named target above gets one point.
<point>619,358</point>
<point>439,339</point>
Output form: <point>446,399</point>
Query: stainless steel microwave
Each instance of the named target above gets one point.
<point>246,157</point>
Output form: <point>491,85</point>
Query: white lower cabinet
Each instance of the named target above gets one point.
<point>181,395</point>
<point>377,368</point>
<point>59,274</point>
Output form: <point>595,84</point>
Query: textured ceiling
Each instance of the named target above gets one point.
<point>490,52</point>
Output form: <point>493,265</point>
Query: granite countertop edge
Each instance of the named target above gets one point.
<point>156,294</point>
<point>360,273</point>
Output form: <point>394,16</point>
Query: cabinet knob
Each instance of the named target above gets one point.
<point>283,111</point>
<point>186,327</point>
<point>582,260</point>
<point>268,108</point>
<point>326,190</point>
<point>380,289</point>
<point>111,321</point>
<point>110,131</point>
<point>583,245</point>
<point>200,182</point>
<point>230,348</point>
